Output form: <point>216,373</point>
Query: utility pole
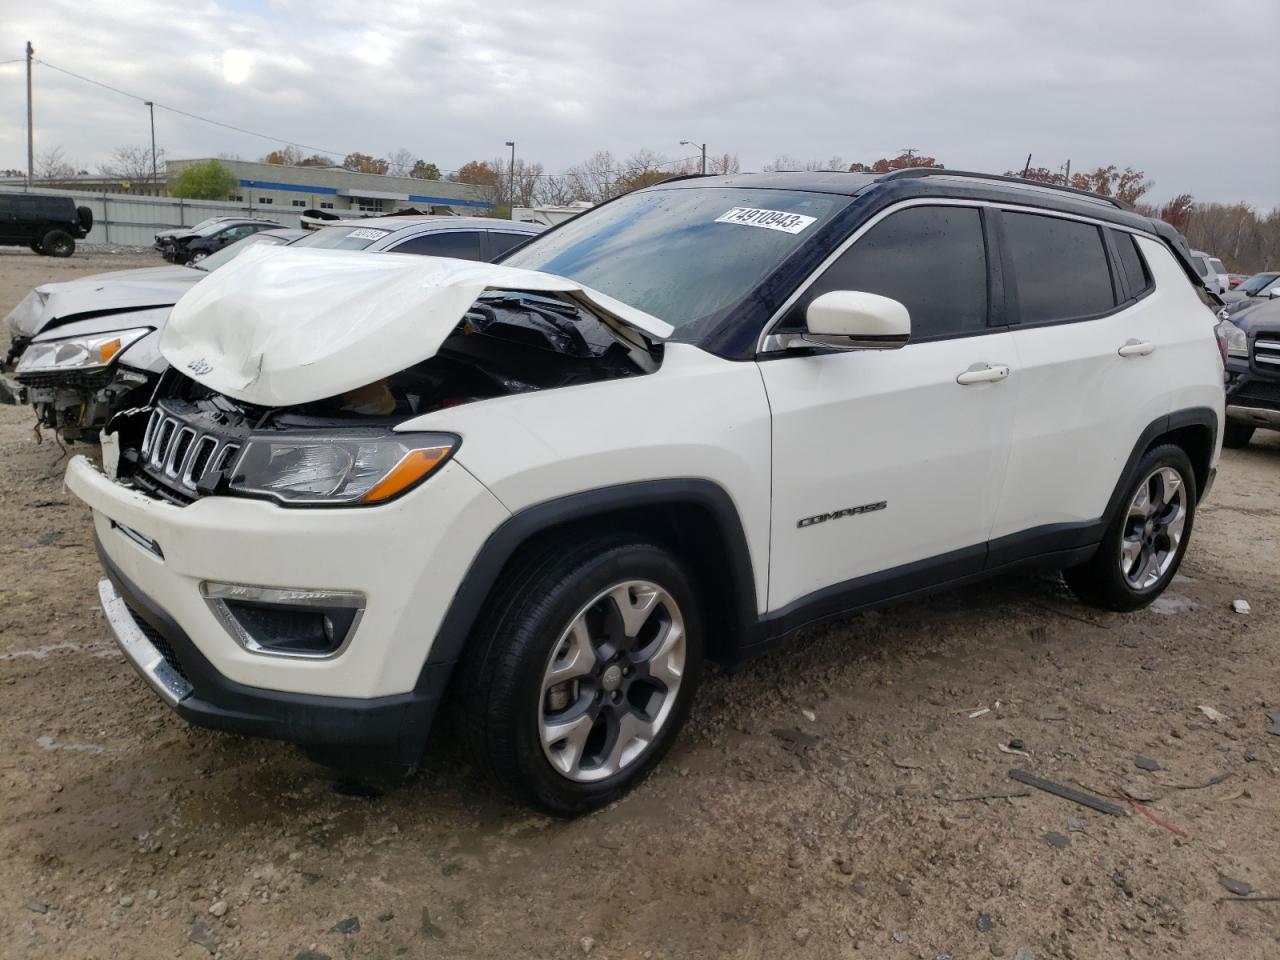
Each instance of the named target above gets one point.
<point>31,132</point>
<point>702,148</point>
<point>1066,182</point>
<point>512,208</point>
<point>1026,166</point>
<point>909,153</point>
<point>155,184</point>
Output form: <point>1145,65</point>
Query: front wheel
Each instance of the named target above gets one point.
<point>1144,543</point>
<point>56,243</point>
<point>583,674</point>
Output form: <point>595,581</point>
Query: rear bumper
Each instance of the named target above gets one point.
<point>382,734</point>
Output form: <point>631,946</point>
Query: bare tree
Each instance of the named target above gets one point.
<point>401,162</point>
<point>52,166</point>
<point>131,162</point>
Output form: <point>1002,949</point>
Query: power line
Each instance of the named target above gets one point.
<point>193,116</point>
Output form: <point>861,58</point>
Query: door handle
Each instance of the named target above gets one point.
<point>1137,348</point>
<point>984,373</point>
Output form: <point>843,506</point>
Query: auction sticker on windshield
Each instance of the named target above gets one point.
<point>769,219</point>
<point>364,233</point>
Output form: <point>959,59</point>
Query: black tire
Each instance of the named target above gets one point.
<point>1100,581</point>
<point>501,700</point>
<point>1237,435</point>
<point>35,247</point>
<point>56,243</point>
<point>85,216</point>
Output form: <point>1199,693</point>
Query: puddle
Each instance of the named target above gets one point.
<point>49,743</point>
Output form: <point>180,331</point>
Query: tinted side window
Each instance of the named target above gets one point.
<point>931,259</point>
<point>1131,262</point>
<point>1060,266</point>
<point>500,243</point>
<point>462,244</point>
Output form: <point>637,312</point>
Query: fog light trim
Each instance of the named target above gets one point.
<point>217,595</point>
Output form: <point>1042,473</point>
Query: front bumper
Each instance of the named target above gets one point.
<point>383,734</point>
<point>1252,397</point>
<point>406,557</point>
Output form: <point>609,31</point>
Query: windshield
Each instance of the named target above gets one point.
<point>1258,283</point>
<point>231,251</point>
<point>1202,268</point>
<point>342,238</point>
<point>684,255</point>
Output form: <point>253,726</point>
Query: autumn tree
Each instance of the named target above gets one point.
<point>1127,185</point>
<point>315,160</point>
<point>209,180</point>
<point>1177,212</point>
<point>363,163</point>
<point>902,161</point>
<point>286,156</point>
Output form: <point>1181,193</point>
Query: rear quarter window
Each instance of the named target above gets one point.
<point>1060,268</point>
<point>1132,264</point>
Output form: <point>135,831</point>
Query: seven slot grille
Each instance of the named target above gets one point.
<point>181,455</point>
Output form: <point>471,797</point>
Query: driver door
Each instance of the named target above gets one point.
<point>888,464</point>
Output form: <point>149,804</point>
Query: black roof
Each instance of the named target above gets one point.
<point>934,182</point>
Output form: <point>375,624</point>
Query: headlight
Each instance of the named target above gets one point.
<point>340,468</point>
<point>78,353</point>
<point>1237,343</point>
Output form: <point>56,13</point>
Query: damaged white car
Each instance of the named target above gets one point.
<point>368,483</point>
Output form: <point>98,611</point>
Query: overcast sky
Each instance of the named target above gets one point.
<point>1187,91</point>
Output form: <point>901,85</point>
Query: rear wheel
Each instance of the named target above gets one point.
<point>1237,435</point>
<point>56,243</point>
<point>1144,543</point>
<point>36,248</point>
<point>583,675</point>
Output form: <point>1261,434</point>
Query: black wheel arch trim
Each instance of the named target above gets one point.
<point>522,529</point>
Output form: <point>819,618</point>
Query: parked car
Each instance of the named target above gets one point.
<point>200,242</point>
<point>1211,271</point>
<point>1235,279</point>
<point>466,238</point>
<point>1255,289</point>
<point>83,349</point>
<point>678,427</point>
<point>164,238</point>
<point>1252,339</point>
<point>48,224</point>
<point>76,390</point>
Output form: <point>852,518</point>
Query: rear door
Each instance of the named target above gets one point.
<point>459,244</point>
<point>8,218</point>
<point>891,461</point>
<point>1087,332</point>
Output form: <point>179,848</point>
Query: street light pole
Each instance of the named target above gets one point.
<point>155,184</point>
<point>512,197</point>
<point>702,147</point>
<point>31,130</point>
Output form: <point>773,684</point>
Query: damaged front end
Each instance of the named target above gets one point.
<point>346,449</point>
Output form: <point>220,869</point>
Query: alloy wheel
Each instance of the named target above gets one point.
<point>611,681</point>
<point>1153,528</point>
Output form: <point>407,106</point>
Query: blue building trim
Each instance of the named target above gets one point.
<point>295,187</point>
<point>333,192</point>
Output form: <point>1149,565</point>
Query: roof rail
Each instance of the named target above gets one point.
<point>917,173</point>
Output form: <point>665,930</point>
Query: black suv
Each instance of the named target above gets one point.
<point>47,224</point>
<point>208,237</point>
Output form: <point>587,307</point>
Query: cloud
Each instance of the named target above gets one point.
<point>978,85</point>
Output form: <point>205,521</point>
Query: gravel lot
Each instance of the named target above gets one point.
<point>820,804</point>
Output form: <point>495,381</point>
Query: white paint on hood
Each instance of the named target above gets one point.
<point>101,293</point>
<point>281,326</point>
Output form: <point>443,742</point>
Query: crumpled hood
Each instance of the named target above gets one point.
<point>283,326</point>
<point>99,294</point>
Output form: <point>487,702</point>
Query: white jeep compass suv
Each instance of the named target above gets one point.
<point>673,429</point>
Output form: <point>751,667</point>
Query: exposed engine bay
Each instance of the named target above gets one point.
<point>183,444</point>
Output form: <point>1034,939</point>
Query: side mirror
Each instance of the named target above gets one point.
<point>1274,292</point>
<point>853,320</point>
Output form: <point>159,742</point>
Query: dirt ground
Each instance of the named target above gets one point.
<point>825,801</point>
